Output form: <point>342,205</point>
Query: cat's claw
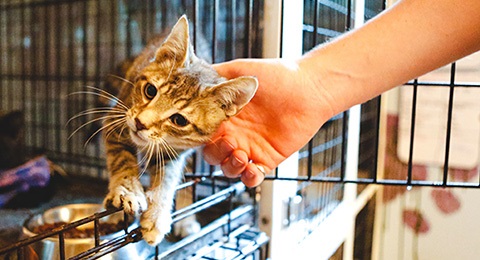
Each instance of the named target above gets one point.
<point>132,201</point>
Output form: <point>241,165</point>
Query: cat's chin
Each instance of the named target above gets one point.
<point>138,139</point>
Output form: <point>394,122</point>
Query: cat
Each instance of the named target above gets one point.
<point>12,145</point>
<point>170,102</point>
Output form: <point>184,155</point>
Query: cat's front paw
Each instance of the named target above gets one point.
<point>155,227</point>
<point>132,199</point>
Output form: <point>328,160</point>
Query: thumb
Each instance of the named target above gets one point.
<point>231,69</point>
<point>224,69</point>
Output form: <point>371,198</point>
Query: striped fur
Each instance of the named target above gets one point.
<point>190,102</point>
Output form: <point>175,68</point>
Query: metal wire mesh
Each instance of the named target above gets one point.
<point>324,20</point>
<point>55,48</point>
<point>50,49</point>
<point>230,236</point>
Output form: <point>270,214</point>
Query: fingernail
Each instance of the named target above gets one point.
<point>249,174</point>
<point>236,162</point>
<point>262,170</point>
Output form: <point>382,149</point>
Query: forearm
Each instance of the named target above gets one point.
<point>410,39</point>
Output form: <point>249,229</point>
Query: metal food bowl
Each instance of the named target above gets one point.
<point>49,248</point>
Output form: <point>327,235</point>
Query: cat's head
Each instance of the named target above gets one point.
<point>180,99</point>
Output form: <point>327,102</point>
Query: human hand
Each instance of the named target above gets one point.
<point>296,97</point>
<point>285,113</point>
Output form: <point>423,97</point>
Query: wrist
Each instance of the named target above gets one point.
<point>316,80</point>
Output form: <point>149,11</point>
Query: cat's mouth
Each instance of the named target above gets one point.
<point>138,138</point>
<point>143,138</point>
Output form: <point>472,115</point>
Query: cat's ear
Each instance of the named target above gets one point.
<point>176,47</point>
<point>234,94</point>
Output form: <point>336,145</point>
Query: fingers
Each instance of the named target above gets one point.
<point>253,175</point>
<point>215,153</point>
<point>226,69</point>
<point>235,164</point>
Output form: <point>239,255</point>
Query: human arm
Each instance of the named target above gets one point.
<point>296,97</point>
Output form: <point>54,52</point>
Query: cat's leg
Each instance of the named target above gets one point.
<point>124,189</point>
<point>156,221</point>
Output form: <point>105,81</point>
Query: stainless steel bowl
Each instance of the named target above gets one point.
<point>49,248</point>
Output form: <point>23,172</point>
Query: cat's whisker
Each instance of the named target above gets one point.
<point>208,140</point>
<point>95,111</point>
<point>96,132</point>
<point>105,108</point>
<point>169,148</point>
<point>94,120</point>
<point>171,153</point>
<point>101,93</point>
<point>146,154</point>
<point>159,162</point>
<point>111,129</point>
<point>114,123</point>
<point>142,153</point>
<point>121,132</point>
<point>122,79</point>
<point>113,97</point>
<point>99,110</point>
<point>146,160</point>
<point>141,165</point>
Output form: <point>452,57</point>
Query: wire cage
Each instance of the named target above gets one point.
<point>52,48</point>
<point>56,48</point>
<point>324,20</point>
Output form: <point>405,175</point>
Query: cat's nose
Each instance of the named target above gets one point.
<point>140,126</point>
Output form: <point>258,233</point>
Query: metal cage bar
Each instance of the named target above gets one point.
<point>318,27</point>
<point>238,224</point>
<point>68,50</point>
<point>58,51</point>
<point>74,44</point>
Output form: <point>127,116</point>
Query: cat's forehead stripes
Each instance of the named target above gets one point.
<point>156,81</point>
<point>182,103</point>
<point>142,78</point>
<point>198,130</point>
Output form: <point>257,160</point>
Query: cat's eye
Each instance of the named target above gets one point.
<point>150,91</point>
<point>179,120</point>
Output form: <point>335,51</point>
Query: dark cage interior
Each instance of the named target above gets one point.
<point>51,49</point>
